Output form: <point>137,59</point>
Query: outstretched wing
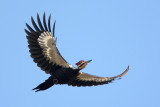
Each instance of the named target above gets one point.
<point>90,80</point>
<point>42,46</point>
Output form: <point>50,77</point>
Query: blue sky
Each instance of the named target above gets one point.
<point>113,33</point>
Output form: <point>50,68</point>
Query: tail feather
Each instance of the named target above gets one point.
<point>47,84</point>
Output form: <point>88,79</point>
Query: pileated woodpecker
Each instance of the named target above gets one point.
<point>43,49</point>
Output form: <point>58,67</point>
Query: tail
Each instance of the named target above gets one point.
<point>47,84</point>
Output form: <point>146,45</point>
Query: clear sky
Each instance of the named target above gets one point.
<point>113,33</point>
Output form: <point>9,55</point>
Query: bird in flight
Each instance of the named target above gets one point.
<point>43,49</point>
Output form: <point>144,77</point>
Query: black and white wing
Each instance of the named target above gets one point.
<point>42,45</point>
<point>90,80</point>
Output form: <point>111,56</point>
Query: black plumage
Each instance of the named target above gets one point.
<point>42,46</point>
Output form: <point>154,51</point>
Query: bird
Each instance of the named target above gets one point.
<point>44,51</point>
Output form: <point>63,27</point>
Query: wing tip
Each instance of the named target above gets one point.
<point>124,73</point>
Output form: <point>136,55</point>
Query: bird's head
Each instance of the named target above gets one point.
<point>82,64</point>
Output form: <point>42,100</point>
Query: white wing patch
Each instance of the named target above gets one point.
<point>48,44</point>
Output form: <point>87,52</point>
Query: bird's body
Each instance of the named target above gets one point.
<point>43,49</point>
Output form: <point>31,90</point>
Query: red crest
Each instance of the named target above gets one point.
<point>79,62</point>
